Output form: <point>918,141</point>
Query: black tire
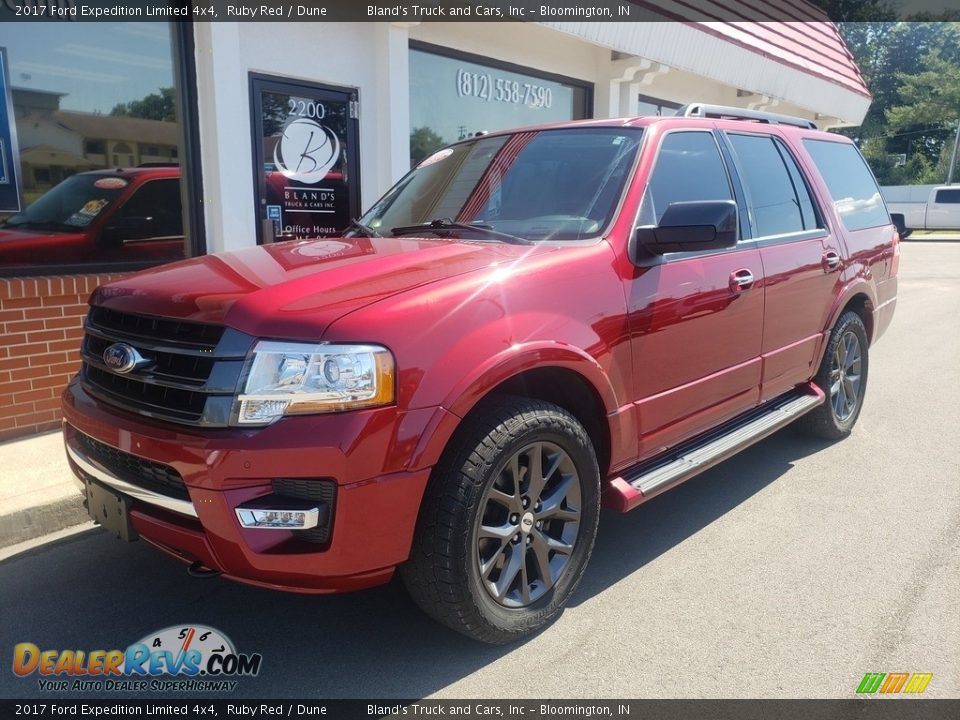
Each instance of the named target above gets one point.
<point>469,496</point>
<point>838,374</point>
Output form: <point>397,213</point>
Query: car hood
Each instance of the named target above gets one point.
<point>296,289</point>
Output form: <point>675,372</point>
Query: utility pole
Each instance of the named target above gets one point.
<point>953,155</point>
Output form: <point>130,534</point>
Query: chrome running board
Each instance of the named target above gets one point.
<point>693,457</point>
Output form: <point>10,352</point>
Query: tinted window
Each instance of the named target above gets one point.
<point>948,196</point>
<point>855,193</point>
<point>689,167</point>
<point>811,218</point>
<point>775,192</point>
<point>157,203</point>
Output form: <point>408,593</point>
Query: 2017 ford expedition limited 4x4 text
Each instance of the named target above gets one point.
<point>528,325</point>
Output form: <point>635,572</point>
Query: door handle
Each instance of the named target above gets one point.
<point>830,260</point>
<point>741,280</point>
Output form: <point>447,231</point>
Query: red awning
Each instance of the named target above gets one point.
<point>792,32</point>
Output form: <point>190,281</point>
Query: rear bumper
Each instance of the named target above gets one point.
<point>366,454</point>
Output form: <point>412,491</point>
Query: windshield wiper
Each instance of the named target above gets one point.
<point>445,224</point>
<point>365,229</point>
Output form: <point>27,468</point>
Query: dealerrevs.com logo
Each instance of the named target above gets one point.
<point>180,658</point>
<point>893,683</point>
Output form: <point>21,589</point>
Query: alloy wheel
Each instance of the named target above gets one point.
<point>529,524</point>
<point>845,376</point>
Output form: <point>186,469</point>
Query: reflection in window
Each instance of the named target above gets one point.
<point>856,196</point>
<point>88,97</point>
<point>453,99</point>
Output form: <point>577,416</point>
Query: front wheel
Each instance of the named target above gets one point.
<point>508,521</point>
<point>843,378</point>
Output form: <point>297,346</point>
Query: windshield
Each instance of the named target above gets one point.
<point>71,205</point>
<point>539,185</point>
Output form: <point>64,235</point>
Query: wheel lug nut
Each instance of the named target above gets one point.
<point>529,540</point>
<point>514,519</point>
<point>526,502</point>
<point>539,524</point>
<point>516,539</point>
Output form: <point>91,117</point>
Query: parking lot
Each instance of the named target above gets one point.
<point>789,571</point>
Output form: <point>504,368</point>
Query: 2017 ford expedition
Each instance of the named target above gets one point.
<point>529,325</point>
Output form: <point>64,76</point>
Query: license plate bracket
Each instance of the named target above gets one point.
<point>110,510</point>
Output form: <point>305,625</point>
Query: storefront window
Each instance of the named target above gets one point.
<point>647,105</point>
<point>453,97</point>
<point>94,125</point>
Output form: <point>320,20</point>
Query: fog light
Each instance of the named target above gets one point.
<point>278,519</point>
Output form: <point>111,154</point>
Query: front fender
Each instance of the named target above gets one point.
<point>481,380</point>
<point>528,356</point>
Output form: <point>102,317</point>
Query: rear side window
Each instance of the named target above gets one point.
<point>779,199</point>
<point>689,167</point>
<point>948,197</point>
<point>855,193</point>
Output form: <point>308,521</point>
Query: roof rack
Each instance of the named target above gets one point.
<point>734,113</point>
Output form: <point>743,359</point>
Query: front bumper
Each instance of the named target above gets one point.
<point>369,455</point>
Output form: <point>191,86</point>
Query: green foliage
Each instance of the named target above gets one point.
<point>913,71</point>
<point>423,142</point>
<point>155,106</point>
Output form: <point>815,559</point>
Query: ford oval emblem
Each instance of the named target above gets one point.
<point>122,358</point>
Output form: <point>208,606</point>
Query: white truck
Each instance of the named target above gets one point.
<point>923,207</point>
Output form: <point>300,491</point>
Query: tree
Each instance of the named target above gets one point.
<point>423,142</point>
<point>908,67</point>
<point>155,106</point>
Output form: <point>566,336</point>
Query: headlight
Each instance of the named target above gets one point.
<point>288,378</point>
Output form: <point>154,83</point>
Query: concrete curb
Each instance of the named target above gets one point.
<point>33,522</point>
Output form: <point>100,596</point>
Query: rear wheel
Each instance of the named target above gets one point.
<point>508,521</point>
<point>843,378</point>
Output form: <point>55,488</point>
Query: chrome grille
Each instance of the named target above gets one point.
<point>136,470</point>
<point>191,376</point>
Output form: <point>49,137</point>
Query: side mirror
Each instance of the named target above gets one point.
<point>131,227</point>
<point>692,225</point>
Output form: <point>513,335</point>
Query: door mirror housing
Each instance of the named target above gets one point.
<point>692,225</point>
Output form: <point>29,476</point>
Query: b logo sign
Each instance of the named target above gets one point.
<point>306,151</point>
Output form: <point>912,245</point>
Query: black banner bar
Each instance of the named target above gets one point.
<point>464,10</point>
<point>860,709</point>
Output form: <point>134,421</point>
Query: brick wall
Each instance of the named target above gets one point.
<point>41,321</point>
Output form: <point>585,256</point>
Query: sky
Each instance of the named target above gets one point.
<point>96,65</point>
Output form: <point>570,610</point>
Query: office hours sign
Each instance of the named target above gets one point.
<point>306,159</point>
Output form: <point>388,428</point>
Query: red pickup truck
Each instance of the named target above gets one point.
<point>529,325</point>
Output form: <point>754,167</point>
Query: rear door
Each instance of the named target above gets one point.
<point>801,258</point>
<point>695,317</point>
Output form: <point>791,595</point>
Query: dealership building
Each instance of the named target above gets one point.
<point>231,104</point>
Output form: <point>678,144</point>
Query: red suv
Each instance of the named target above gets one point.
<point>122,215</point>
<point>528,325</point>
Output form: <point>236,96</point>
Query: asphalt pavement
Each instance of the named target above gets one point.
<point>789,571</point>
